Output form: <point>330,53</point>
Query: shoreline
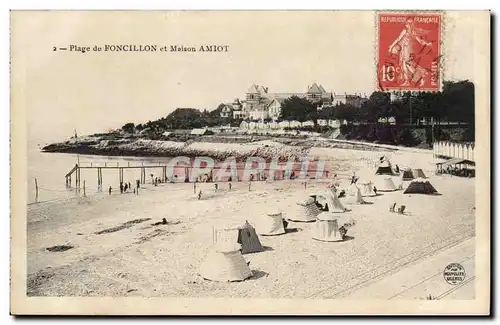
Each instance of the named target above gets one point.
<point>215,147</point>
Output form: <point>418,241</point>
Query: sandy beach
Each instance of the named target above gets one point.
<point>117,251</point>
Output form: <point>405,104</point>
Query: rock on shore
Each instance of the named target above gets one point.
<point>216,147</point>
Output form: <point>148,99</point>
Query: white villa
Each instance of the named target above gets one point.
<point>260,104</point>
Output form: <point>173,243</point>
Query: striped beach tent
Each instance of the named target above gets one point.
<point>304,211</point>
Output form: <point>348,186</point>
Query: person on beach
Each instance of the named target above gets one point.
<point>138,182</point>
<point>230,186</point>
<point>121,187</point>
<point>125,188</point>
<point>375,190</point>
<point>110,190</point>
<point>129,186</point>
<point>216,187</point>
<point>397,169</point>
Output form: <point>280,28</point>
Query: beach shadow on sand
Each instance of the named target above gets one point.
<point>257,274</point>
<point>267,248</point>
<point>292,230</point>
<point>264,249</point>
<point>347,238</point>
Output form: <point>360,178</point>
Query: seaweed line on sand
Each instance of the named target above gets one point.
<point>125,225</point>
<point>149,236</point>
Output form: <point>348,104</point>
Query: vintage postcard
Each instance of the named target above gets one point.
<point>250,162</point>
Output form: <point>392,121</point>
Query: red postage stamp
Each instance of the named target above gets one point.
<point>409,51</point>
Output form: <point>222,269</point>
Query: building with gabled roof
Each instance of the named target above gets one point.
<point>260,104</point>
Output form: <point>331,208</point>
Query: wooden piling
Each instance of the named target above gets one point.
<point>36,190</point>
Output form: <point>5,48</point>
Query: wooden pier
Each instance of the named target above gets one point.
<point>177,171</point>
<point>76,170</point>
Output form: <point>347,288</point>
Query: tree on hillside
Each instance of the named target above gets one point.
<point>184,118</point>
<point>128,127</point>
<point>327,113</point>
<point>345,112</point>
<point>458,101</point>
<point>375,107</point>
<point>300,109</point>
<point>216,112</point>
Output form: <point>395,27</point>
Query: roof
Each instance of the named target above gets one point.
<point>253,89</point>
<point>262,90</point>
<point>279,100</point>
<point>260,107</point>
<point>314,89</point>
<point>456,161</point>
<point>198,131</point>
<point>284,95</point>
<point>182,131</point>
<point>322,89</point>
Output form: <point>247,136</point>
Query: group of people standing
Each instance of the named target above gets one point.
<point>124,187</point>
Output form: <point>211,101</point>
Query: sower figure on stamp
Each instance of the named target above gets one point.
<point>403,46</point>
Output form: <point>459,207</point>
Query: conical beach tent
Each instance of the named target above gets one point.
<point>330,227</point>
<point>354,195</point>
<point>271,224</point>
<point>326,228</point>
<point>332,202</point>
<point>225,263</point>
<point>385,184</point>
<point>418,173</point>
<point>243,234</point>
<point>384,168</point>
<point>366,188</point>
<point>420,186</point>
<point>407,175</point>
<point>304,211</point>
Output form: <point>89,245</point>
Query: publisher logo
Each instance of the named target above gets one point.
<point>454,273</point>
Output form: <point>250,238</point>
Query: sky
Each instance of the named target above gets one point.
<point>285,51</point>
